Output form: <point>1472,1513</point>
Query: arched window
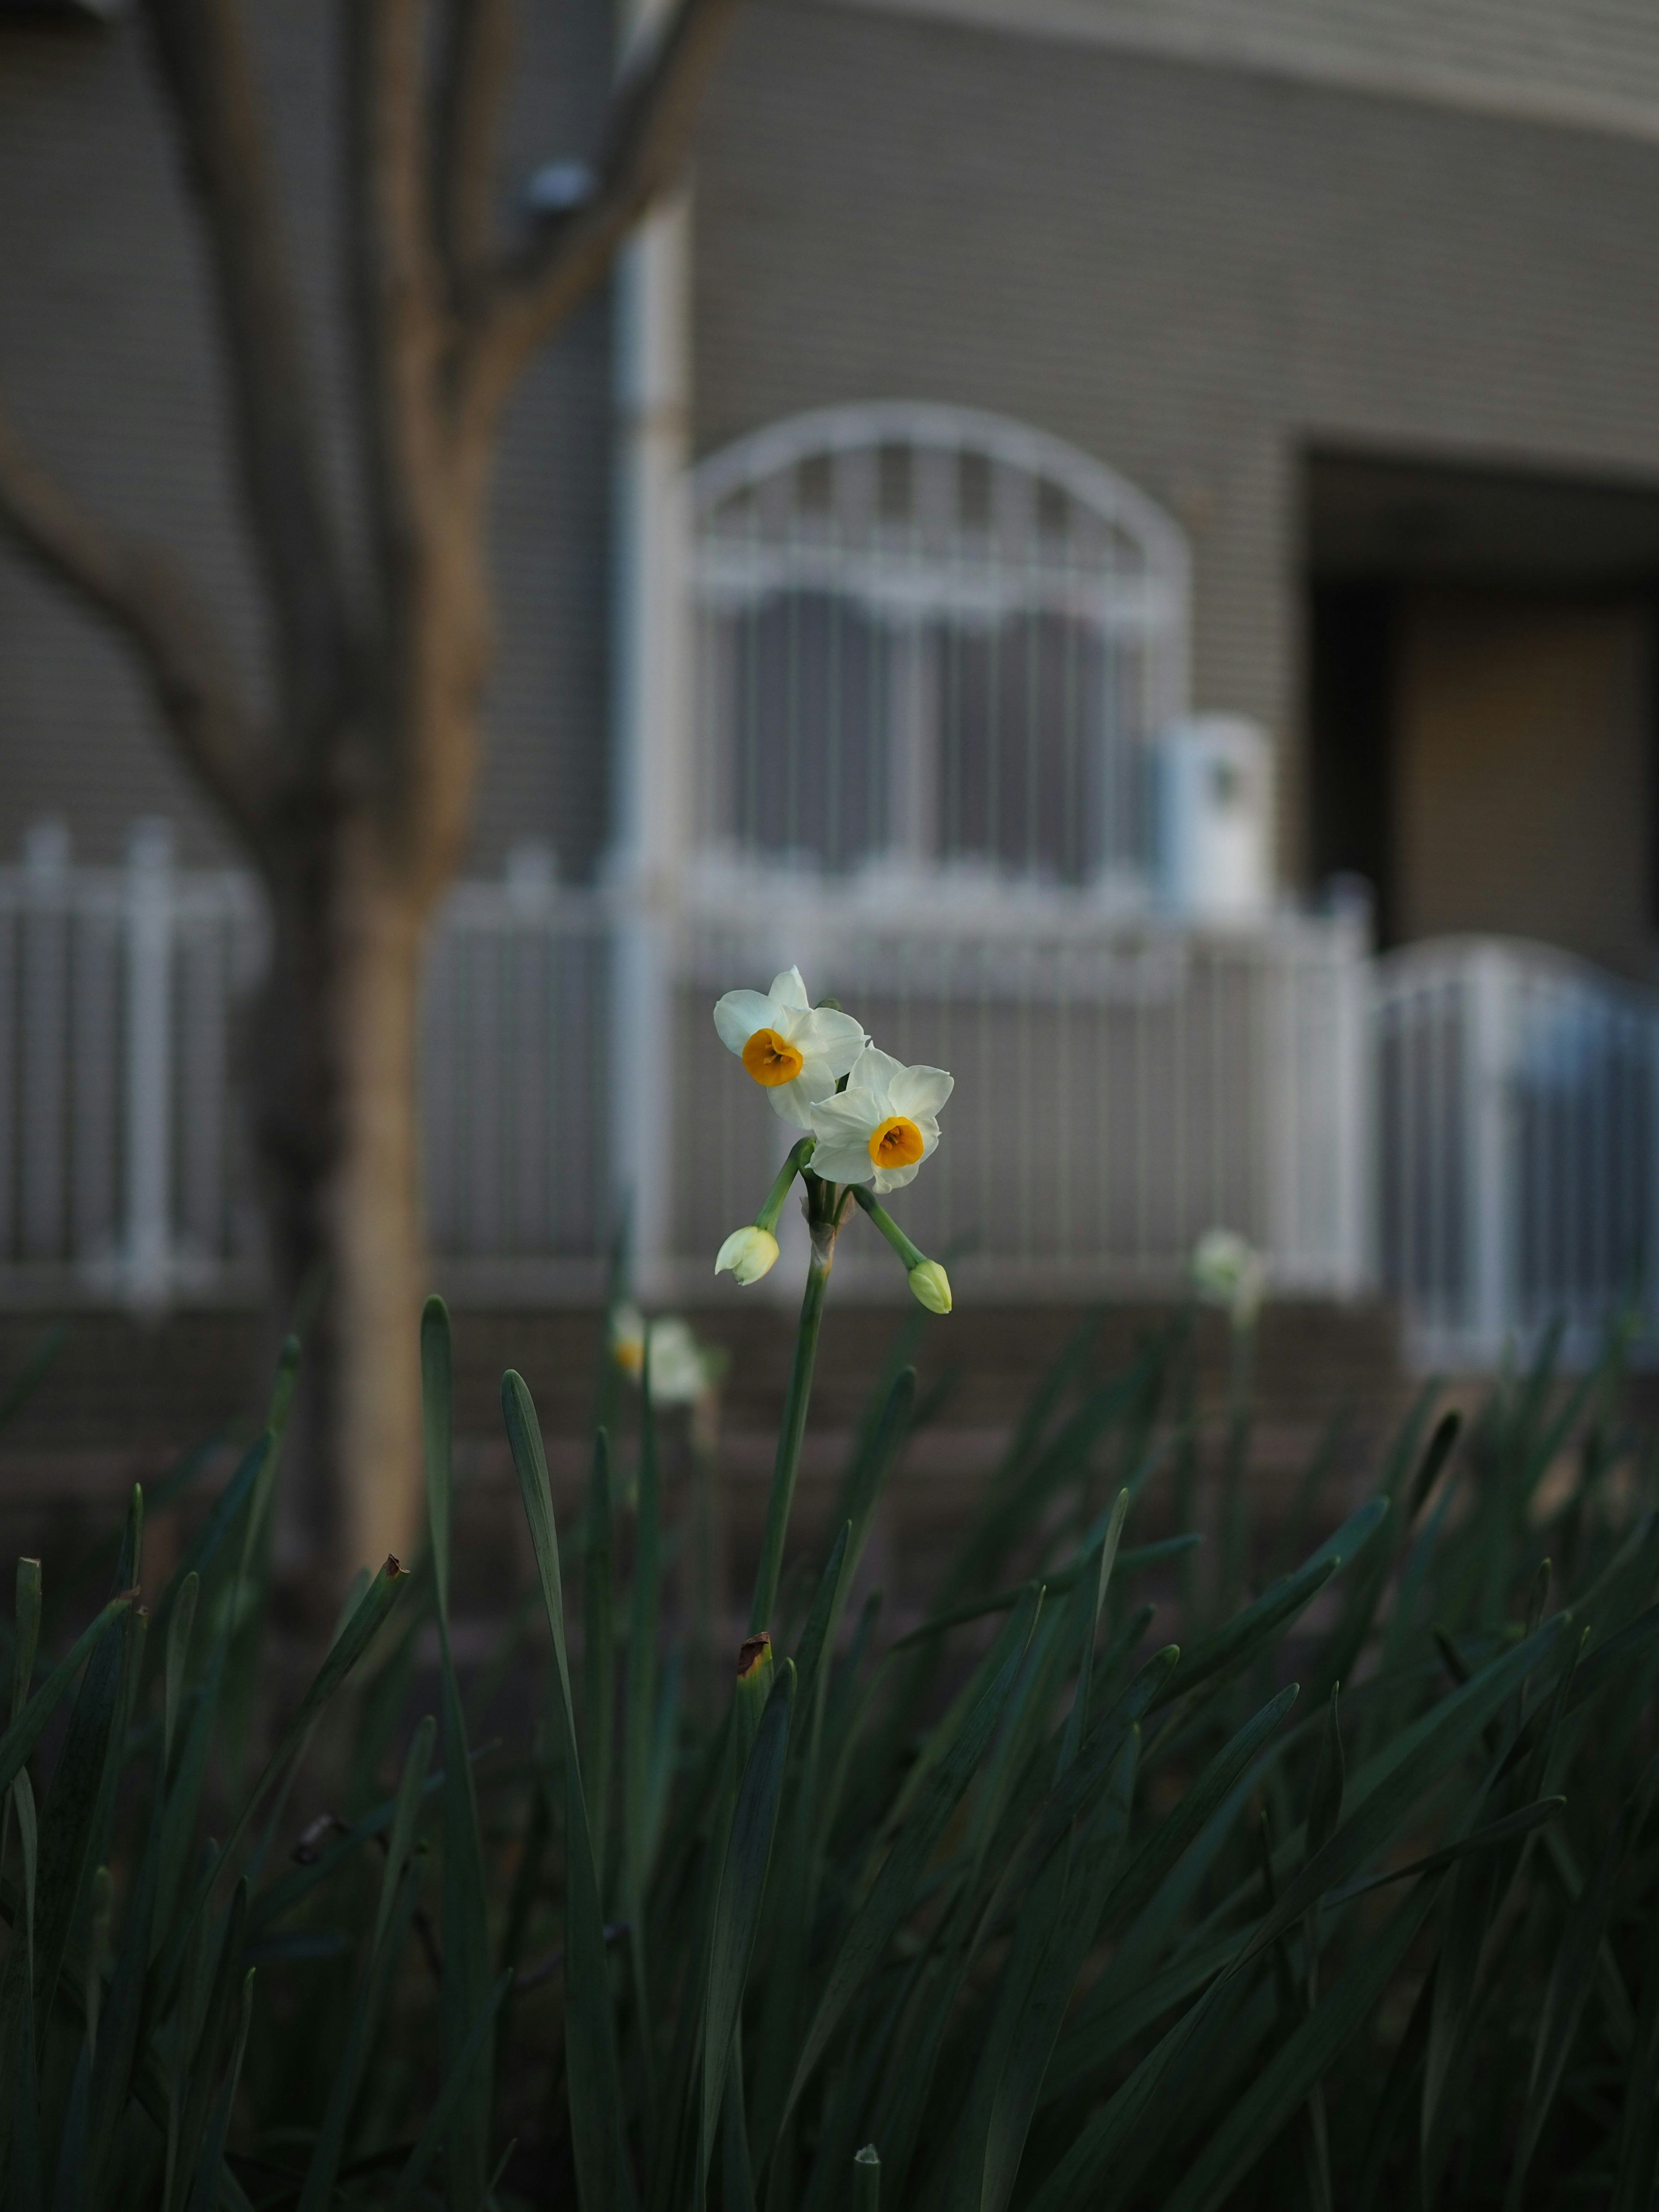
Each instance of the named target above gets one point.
<point>929,640</point>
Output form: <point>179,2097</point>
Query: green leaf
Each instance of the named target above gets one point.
<point>1495,1835</point>
<point>355,1639</point>
<point>595,2090</point>
<point>1077,1719</point>
<point>20,2015</point>
<point>27,1631</point>
<point>866,2180</point>
<point>1154,1866</point>
<point>465,1892</point>
<point>1414,1764</point>
<point>524,1438</point>
<point>407,2194</point>
<point>1234,1646</point>
<point>437,1421</point>
<point>1062,1579</point>
<point>25,1732</point>
<point>598,1645</point>
<point>209,2173</point>
<point>203,2065</point>
<point>1077,1786</point>
<point>82,1777</point>
<point>1040,1976</point>
<point>1575,1960</point>
<point>645,1603</point>
<point>180,1623</point>
<point>1283,2086</point>
<point>742,1889</point>
<point>814,1635</point>
<point>1325,1798</point>
<point>368,2002</point>
<point>889,1897</point>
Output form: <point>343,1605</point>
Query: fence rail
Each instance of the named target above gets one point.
<point>1517,1161</point>
<point>1472,1124</point>
<point>1120,1087</point>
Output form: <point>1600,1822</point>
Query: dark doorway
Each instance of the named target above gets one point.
<point>1481,701</point>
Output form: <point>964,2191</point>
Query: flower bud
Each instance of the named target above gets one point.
<point>749,1253</point>
<point>1228,1271</point>
<point>930,1286</point>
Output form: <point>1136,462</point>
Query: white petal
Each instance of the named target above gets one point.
<point>876,1069</point>
<point>788,990</point>
<point>817,1080</point>
<point>792,1101</point>
<point>822,1034</point>
<point>846,1117</point>
<point>919,1090</point>
<point>844,1162</point>
<point>895,1178</point>
<point>739,1014</point>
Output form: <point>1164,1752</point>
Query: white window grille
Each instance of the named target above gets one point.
<point>929,640</point>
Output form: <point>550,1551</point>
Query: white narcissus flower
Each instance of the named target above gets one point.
<point>883,1126</point>
<point>794,1050</point>
<point>1228,1271</point>
<point>681,1368</point>
<point>628,1337</point>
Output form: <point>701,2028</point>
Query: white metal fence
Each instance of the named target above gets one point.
<point>1474,1124</point>
<point>1120,1087</point>
<point>123,1163</point>
<point>1517,1158</point>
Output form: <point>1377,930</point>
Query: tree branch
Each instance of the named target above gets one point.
<point>394,279</point>
<point>473,67</point>
<point>205,64</point>
<point>647,136</point>
<point>142,590</point>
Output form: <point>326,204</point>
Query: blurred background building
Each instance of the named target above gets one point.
<point>1123,535</point>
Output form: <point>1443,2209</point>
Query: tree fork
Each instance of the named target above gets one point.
<point>355,802</point>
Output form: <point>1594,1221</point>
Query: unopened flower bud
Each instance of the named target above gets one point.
<point>749,1253</point>
<point>930,1286</point>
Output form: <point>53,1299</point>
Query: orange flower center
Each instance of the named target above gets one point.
<point>772,1060</point>
<point>897,1143</point>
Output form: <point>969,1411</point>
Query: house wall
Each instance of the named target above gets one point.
<point>1191,271</point>
<point>1587,61</point>
<point>107,366</point>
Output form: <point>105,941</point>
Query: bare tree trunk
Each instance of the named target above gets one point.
<point>355,800</point>
<point>335,1107</point>
<point>375,1220</point>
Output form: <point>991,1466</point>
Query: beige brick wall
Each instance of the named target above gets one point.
<point>108,363</point>
<point>1593,62</point>
<point>1189,271</point>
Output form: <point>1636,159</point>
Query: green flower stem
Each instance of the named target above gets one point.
<point>787,1463</point>
<point>824,1208</point>
<point>767,1218</point>
<point>1235,1540</point>
<point>890,1228</point>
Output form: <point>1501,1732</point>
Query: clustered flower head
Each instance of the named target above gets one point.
<point>870,1120</point>
<point>683,1371</point>
<point>795,1051</point>
<point>1228,1271</point>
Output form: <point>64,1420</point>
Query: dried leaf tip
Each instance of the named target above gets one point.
<point>394,1566</point>
<point>751,1652</point>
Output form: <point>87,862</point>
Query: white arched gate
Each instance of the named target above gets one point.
<point>927,659</point>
